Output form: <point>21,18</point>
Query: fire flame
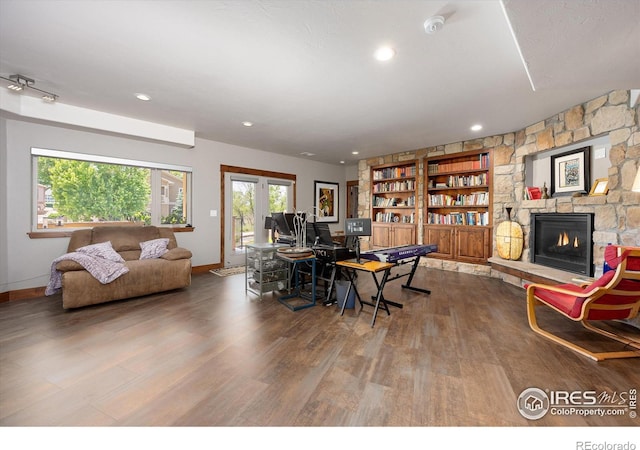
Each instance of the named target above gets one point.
<point>563,239</point>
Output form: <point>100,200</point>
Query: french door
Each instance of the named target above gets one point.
<point>249,200</point>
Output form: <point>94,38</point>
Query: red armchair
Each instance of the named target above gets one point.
<point>614,296</point>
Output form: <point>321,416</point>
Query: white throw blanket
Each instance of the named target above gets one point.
<point>103,270</point>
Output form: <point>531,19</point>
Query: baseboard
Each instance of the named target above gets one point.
<point>22,294</point>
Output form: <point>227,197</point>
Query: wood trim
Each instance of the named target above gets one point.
<point>22,294</point>
<point>350,184</point>
<point>246,171</point>
<point>196,270</point>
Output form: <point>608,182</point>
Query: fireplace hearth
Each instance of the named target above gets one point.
<point>563,241</point>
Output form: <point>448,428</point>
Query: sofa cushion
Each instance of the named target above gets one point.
<point>124,238</point>
<point>154,248</point>
<point>102,250</point>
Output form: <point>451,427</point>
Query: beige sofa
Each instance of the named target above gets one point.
<point>172,270</point>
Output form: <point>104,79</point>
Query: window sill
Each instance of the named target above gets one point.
<point>68,232</point>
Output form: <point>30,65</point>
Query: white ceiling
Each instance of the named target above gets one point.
<point>303,71</point>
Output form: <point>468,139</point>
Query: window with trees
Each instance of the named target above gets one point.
<point>74,190</point>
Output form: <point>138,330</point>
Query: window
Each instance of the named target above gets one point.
<point>73,190</point>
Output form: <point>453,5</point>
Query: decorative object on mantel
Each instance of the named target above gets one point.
<point>509,238</point>
<point>545,191</point>
<point>570,172</point>
<point>533,193</point>
<point>600,187</point>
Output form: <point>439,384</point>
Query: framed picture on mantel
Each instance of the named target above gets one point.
<point>570,172</point>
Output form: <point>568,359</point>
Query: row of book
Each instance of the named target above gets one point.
<point>389,217</point>
<point>395,186</point>
<point>532,193</point>
<point>459,218</point>
<point>460,181</point>
<point>473,199</point>
<point>482,162</point>
<point>383,202</point>
<point>394,172</point>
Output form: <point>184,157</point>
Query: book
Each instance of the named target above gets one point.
<point>533,193</point>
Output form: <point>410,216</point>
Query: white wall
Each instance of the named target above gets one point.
<point>25,262</point>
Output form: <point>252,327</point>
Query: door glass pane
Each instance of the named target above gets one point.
<point>244,214</point>
<point>278,200</point>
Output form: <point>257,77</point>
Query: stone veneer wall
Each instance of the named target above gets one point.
<point>617,215</point>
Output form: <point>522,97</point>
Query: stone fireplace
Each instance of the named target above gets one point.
<point>563,241</point>
<point>612,117</point>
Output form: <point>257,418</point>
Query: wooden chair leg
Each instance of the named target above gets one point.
<point>532,303</point>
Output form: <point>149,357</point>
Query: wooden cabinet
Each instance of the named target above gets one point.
<point>459,203</point>
<point>392,235</point>
<point>394,210</point>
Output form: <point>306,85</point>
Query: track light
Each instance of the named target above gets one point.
<point>20,83</point>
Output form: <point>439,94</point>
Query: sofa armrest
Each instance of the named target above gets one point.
<point>177,253</point>
<point>68,266</point>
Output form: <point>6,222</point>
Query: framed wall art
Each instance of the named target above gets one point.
<point>600,187</point>
<point>570,172</point>
<point>326,201</point>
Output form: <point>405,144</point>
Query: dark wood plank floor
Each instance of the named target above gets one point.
<point>211,355</point>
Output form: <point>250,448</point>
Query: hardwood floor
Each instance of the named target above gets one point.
<point>211,355</point>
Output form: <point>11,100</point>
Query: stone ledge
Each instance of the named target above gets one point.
<point>534,273</point>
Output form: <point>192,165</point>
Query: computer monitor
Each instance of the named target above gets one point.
<point>357,227</point>
<point>281,223</point>
<point>323,232</point>
<point>311,234</point>
<point>291,221</point>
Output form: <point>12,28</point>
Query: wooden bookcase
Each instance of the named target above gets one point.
<point>394,207</point>
<point>458,194</point>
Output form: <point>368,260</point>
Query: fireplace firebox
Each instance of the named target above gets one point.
<point>563,241</point>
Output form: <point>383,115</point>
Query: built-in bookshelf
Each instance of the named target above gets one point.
<point>394,210</point>
<point>458,197</point>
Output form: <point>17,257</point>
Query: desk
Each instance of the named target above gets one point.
<point>297,294</point>
<point>373,267</point>
<point>382,261</point>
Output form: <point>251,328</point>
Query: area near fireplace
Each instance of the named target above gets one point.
<point>563,241</point>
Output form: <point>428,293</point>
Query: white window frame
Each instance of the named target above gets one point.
<point>156,181</point>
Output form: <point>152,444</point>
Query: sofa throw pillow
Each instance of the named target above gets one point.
<point>154,248</point>
<point>102,250</point>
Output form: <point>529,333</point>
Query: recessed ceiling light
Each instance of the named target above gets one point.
<point>476,127</point>
<point>143,97</point>
<point>354,153</point>
<point>307,154</point>
<point>247,123</point>
<point>384,53</point>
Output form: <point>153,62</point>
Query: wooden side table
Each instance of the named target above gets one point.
<point>373,267</point>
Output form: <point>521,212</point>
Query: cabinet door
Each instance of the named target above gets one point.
<point>403,235</point>
<point>443,238</point>
<point>381,235</point>
<point>472,244</point>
